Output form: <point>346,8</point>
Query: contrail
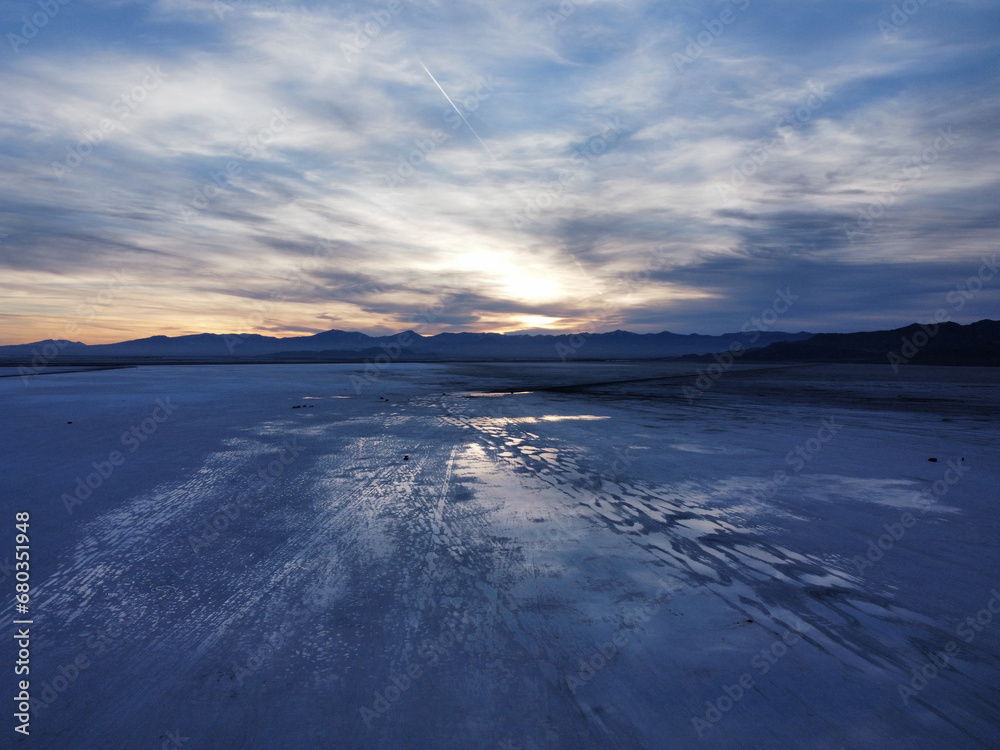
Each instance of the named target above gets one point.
<point>457,110</point>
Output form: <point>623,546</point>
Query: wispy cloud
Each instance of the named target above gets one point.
<point>188,181</point>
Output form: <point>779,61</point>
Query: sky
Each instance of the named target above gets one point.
<point>179,166</point>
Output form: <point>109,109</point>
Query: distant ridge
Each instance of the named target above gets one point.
<point>942,344</point>
<point>975,344</point>
<point>335,345</point>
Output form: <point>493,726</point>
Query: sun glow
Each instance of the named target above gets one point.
<point>530,286</point>
<point>538,321</point>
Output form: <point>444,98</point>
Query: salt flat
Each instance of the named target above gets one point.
<point>762,564</point>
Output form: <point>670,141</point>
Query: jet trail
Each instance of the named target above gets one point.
<point>457,110</point>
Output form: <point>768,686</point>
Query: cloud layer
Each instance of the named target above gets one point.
<point>173,166</point>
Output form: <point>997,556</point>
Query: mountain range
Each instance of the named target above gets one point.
<point>944,343</point>
<point>337,345</point>
<point>975,344</point>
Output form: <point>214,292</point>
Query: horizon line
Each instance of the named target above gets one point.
<point>526,332</point>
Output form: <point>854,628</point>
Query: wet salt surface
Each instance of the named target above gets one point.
<point>585,567</point>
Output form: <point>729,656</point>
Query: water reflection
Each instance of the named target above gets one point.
<point>544,418</point>
<point>495,394</point>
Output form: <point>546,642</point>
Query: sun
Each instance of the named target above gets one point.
<point>529,287</point>
<point>536,321</point>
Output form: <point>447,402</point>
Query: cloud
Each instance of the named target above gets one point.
<point>243,153</point>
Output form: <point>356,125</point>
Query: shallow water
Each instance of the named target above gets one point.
<point>593,560</point>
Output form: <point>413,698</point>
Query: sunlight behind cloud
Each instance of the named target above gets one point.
<point>599,152</point>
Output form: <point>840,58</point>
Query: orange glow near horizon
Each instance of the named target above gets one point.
<point>96,309</point>
<point>112,331</point>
